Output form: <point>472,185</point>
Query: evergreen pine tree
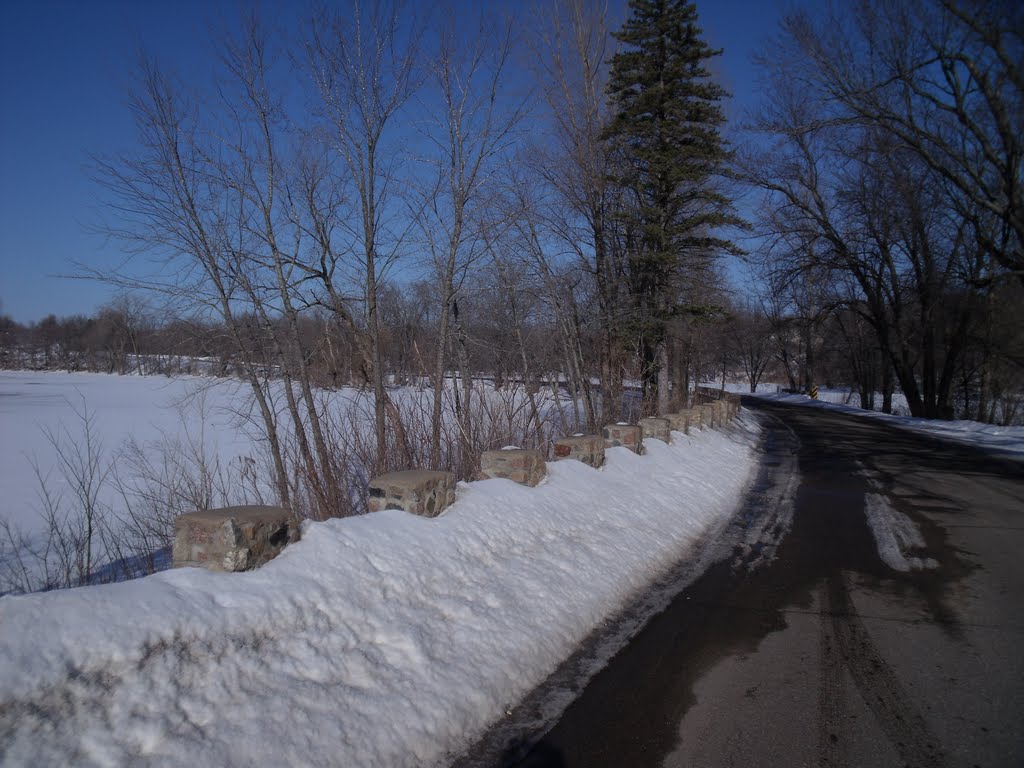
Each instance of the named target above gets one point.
<point>665,127</point>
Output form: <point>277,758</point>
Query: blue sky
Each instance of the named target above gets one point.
<point>64,73</point>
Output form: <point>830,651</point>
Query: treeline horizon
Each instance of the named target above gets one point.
<point>743,344</point>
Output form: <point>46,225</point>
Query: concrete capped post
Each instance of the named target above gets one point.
<point>624,435</point>
<point>421,492</point>
<point>232,538</point>
<point>656,429</point>
<point>519,465</point>
<point>586,448</point>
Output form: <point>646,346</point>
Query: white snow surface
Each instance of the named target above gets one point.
<point>380,640</point>
<point>1002,441</point>
<point>146,408</point>
<point>895,535</point>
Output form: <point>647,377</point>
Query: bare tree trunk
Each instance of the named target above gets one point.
<point>663,378</point>
<point>471,131</point>
<point>364,71</point>
<point>439,371</point>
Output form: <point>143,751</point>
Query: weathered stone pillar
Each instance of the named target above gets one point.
<point>586,448</point>
<point>421,492</point>
<point>707,414</point>
<point>522,466</point>
<point>696,418</point>
<point>232,538</point>
<point>624,435</point>
<point>719,409</point>
<point>680,422</point>
<point>656,429</point>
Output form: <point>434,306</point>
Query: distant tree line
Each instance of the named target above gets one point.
<point>129,337</point>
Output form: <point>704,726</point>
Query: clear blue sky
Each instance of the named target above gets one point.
<point>64,72</point>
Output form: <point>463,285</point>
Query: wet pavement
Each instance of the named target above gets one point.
<point>799,646</point>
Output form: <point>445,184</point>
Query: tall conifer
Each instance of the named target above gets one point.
<point>666,124</point>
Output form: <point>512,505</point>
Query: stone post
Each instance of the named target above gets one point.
<point>624,435</point>
<point>707,414</point>
<point>696,418</point>
<point>232,538</point>
<point>421,492</point>
<point>656,429</point>
<point>719,410</point>
<point>522,466</point>
<point>586,448</point>
<point>680,422</point>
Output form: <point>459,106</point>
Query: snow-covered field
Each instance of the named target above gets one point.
<point>384,639</point>
<point>1000,441</point>
<point>134,451</point>
<point>146,408</point>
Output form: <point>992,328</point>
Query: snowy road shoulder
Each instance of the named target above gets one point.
<point>1006,442</point>
<point>385,639</point>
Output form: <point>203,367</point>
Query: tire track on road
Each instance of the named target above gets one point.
<point>877,683</point>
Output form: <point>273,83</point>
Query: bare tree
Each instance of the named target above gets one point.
<point>749,335</point>
<point>572,58</point>
<point>944,79</point>
<point>849,200</point>
<point>170,206</point>
<point>470,134</point>
<point>364,65</point>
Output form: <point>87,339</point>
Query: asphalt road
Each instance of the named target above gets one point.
<point>801,647</point>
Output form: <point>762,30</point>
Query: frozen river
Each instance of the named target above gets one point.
<point>149,409</point>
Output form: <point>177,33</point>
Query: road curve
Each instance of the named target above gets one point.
<point>804,646</point>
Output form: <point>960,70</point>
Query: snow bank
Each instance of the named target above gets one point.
<point>1003,441</point>
<point>383,640</point>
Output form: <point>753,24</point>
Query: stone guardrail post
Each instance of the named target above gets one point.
<point>707,414</point>
<point>656,428</point>
<point>624,435</point>
<point>522,466</point>
<point>730,407</point>
<point>696,418</point>
<point>586,448</point>
<point>232,538</point>
<point>421,492</point>
<point>680,421</point>
<point>718,407</point>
